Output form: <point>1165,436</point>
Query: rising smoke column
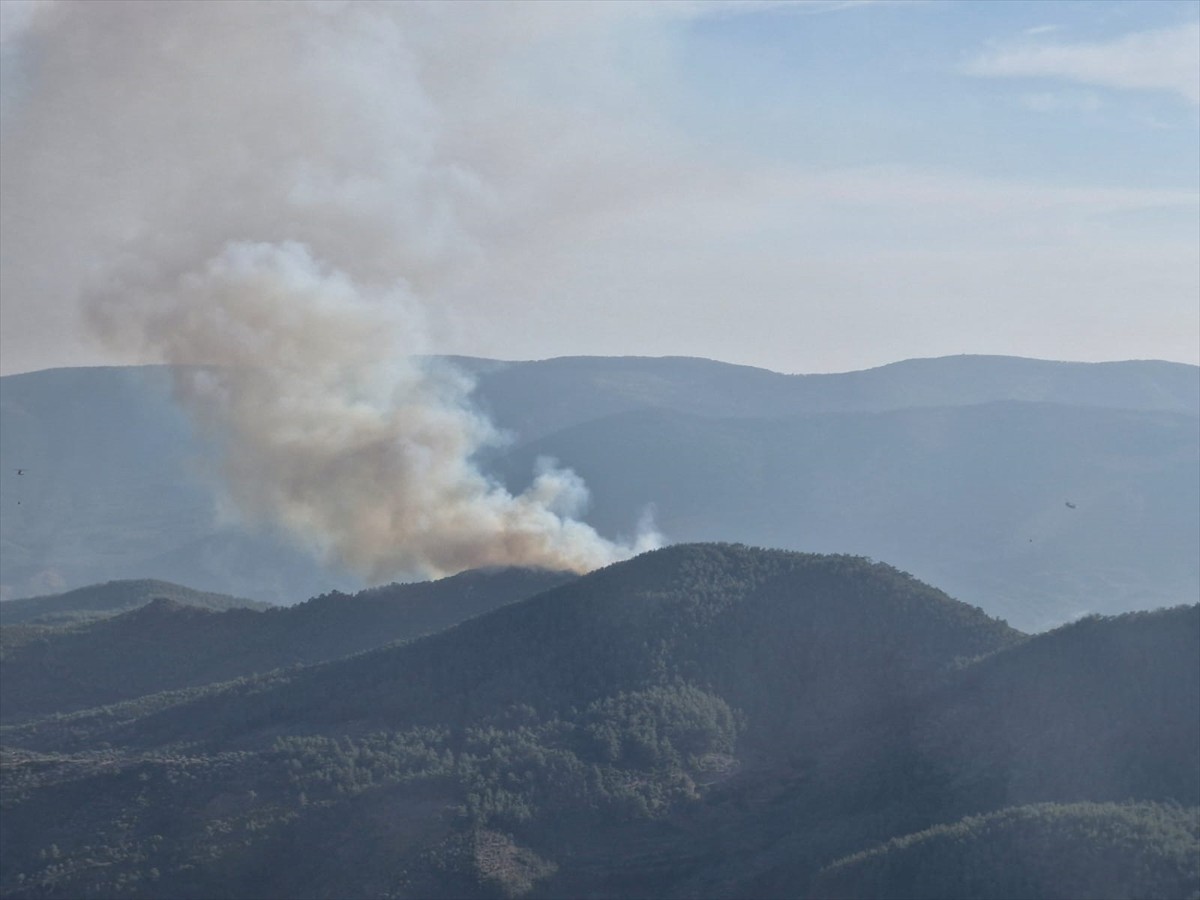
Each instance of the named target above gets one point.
<point>268,194</point>
<point>332,429</point>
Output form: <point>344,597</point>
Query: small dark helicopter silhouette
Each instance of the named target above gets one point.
<point>1070,505</point>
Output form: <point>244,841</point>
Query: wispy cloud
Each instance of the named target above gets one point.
<point>1061,101</point>
<point>1165,59</point>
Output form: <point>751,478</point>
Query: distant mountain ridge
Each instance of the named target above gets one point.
<point>113,597</point>
<point>887,462</point>
<point>112,487</point>
<point>538,397</point>
<point>973,498</point>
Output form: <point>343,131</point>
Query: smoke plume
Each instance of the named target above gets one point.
<point>274,197</point>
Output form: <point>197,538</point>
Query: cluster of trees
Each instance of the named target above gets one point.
<point>624,758</point>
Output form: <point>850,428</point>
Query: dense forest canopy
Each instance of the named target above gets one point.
<point>703,719</point>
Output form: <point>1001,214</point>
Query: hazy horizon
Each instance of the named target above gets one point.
<point>497,359</point>
<point>813,187</point>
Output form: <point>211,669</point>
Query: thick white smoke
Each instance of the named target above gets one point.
<point>270,193</point>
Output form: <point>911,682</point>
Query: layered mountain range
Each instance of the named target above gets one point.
<point>1038,490</point>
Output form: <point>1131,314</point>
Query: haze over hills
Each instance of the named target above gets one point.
<point>1038,512</point>
<point>958,469</point>
<point>537,398</point>
<point>113,487</point>
<point>703,719</point>
<point>114,597</point>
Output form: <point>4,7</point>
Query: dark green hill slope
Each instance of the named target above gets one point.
<point>167,645</point>
<point>1105,709</point>
<point>704,720</point>
<point>803,644</point>
<point>1102,709</point>
<point>111,598</point>
<point>1044,852</point>
<point>614,699</point>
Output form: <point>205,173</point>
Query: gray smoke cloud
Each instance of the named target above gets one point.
<point>275,195</point>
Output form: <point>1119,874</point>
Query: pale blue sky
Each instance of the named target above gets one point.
<point>889,83</point>
<point>807,187</point>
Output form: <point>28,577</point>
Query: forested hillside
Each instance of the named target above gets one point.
<point>1058,852</point>
<point>705,720</point>
<point>166,645</point>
